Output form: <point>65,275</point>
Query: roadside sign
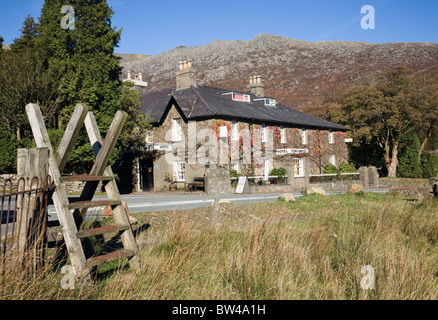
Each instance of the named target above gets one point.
<point>242,185</point>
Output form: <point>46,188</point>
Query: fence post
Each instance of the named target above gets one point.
<point>31,163</point>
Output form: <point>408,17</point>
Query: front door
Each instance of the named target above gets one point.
<point>146,174</point>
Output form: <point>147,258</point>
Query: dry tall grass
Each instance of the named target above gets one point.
<point>311,249</point>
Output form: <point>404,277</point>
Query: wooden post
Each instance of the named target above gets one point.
<point>102,150</point>
<point>70,135</point>
<point>215,210</point>
<point>111,188</point>
<point>60,199</point>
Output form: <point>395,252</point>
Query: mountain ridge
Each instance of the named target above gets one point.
<point>296,72</point>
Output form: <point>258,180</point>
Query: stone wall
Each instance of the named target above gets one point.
<point>407,187</point>
<point>335,186</point>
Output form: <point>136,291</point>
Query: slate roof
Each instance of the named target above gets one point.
<point>203,102</point>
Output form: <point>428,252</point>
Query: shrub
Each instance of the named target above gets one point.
<point>409,166</point>
<point>347,167</point>
<point>280,173</point>
<point>233,174</point>
<point>429,165</point>
<point>330,169</point>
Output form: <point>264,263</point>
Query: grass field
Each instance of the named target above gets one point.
<point>314,248</point>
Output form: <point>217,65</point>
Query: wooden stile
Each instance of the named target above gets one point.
<point>71,222</point>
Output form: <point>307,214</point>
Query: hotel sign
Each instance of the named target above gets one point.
<point>291,151</point>
<point>162,146</point>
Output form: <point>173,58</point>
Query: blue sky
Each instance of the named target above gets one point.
<point>151,27</point>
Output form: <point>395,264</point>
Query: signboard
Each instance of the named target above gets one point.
<point>242,185</point>
<point>163,147</point>
<point>291,151</point>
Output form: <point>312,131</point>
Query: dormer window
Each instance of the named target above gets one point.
<point>269,102</point>
<point>241,97</point>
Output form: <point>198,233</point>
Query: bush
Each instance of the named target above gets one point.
<point>280,173</point>
<point>347,168</point>
<point>233,174</point>
<point>429,165</point>
<point>409,166</point>
<point>8,150</point>
<point>331,169</point>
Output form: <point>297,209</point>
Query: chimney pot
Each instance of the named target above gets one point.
<point>256,86</point>
<point>129,75</point>
<point>140,76</point>
<point>186,76</point>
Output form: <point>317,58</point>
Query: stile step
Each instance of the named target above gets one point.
<point>86,178</point>
<point>116,255</point>
<point>93,204</point>
<point>101,230</point>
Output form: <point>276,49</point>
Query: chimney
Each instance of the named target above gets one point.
<point>137,79</point>
<point>256,86</point>
<point>186,75</point>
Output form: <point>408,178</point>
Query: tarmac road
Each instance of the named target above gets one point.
<point>150,202</point>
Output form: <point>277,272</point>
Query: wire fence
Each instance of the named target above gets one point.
<point>23,219</point>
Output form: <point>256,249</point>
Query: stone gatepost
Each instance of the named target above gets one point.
<point>290,172</point>
<point>373,177</point>
<point>364,177</point>
<point>217,181</point>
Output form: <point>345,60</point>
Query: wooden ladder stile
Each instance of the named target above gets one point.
<point>101,172</point>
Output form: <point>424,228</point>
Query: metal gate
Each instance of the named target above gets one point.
<point>23,219</point>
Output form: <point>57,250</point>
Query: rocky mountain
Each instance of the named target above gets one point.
<point>297,73</point>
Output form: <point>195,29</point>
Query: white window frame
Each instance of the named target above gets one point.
<point>149,136</point>
<point>179,170</point>
<point>234,131</point>
<point>267,167</point>
<point>235,165</point>
<point>331,136</point>
<point>298,167</point>
<point>304,136</point>
<point>283,134</point>
<point>264,133</point>
<point>246,97</point>
<point>177,129</point>
<point>332,159</point>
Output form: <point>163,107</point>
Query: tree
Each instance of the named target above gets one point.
<point>90,74</point>
<point>410,166</point>
<point>426,101</point>
<point>89,70</point>
<point>28,35</point>
<point>384,112</point>
<point>84,56</point>
<point>26,76</point>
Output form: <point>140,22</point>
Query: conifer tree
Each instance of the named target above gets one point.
<point>84,56</point>
<point>28,34</point>
<point>90,73</point>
